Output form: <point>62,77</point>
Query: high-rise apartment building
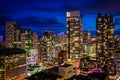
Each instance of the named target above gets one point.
<point>47,46</point>
<point>17,37</point>
<point>117,55</point>
<point>105,42</point>
<point>60,43</point>
<point>86,40</point>
<point>35,40</point>
<point>86,37</point>
<point>92,48</point>
<point>74,31</point>
<point>10,33</point>
<point>117,47</point>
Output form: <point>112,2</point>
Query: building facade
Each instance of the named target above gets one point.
<point>92,48</point>
<point>105,47</point>
<point>117,55</point>
<point>66,71</point>
<point>47,46</point>
<point>12,64</point>
<point>74,32</point>
<point>117,47</point>
<point>10,33</point>
<point>60,43</point>
<point>2,42</point>
<point>86,40</point>
<point>17,37</point>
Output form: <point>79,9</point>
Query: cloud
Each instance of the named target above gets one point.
<point>2,30</point>
<point>47,9</point>
<point>32,20</point>
<point>50,14</point>
<point>109,5</point>
<point>92,5</point>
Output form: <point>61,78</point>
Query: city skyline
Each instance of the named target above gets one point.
<point>59,40</point>
<point>51,15</point>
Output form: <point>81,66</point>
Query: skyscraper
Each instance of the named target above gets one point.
<point>74,31</point>
<point>10,33</point>
<point>105,42</point>
<point>117,47</point>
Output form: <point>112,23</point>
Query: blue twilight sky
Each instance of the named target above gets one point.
<point>40,15</point>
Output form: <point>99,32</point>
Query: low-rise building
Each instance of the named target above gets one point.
<point>66,71</point>
<point>12,64</point>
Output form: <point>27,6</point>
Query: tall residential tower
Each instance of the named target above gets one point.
<point>74,32</point>
<point>10,33</point>
<point>105,42</point>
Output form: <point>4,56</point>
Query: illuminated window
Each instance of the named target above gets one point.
<point>67,31</point>
<point>68,14</point>
<point>99,19</point>
<point>76,44</point>
<point>73,48</point>
<point>67,26</point>
<point>71,29</point>
<point>76,31</point>
<point>76,38</point>
<point>76,26</point>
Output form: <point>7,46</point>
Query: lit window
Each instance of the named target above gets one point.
<point>71,29</point>
<point>99,19</point>
<point>76,44</point>
<point>76,38</point>
<point>76,31</point>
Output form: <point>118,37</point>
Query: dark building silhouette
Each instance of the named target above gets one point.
<point>105,47</point>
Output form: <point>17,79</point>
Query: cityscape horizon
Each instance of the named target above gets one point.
<point>59,40</point>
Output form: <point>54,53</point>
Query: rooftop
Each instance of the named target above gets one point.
<point>65,65</point>
<point>10,51</point>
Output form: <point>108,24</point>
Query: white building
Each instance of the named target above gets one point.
<point>66,71</point>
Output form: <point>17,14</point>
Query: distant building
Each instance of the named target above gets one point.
<point>86,40</point>
<point>105,44</point>
<point>60,43</point>
<point>1,38</point>
<point>117,55</point>
<point>92,48</point>
<point>86,37</point>
<point>62,56</point>
<point>47,46</point>
<point>40,50</point>
<point>2,42</point>
<point>26,39</point>
<point>17,37</point>
<point>35,40</point>
<point>118,68</point>
<point>74,33</point>
<point>117,47</point>
<point>32,47</point>
<point>10,33</point>
<point>12,64</point>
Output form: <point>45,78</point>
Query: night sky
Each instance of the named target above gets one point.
<point>40,15</point>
